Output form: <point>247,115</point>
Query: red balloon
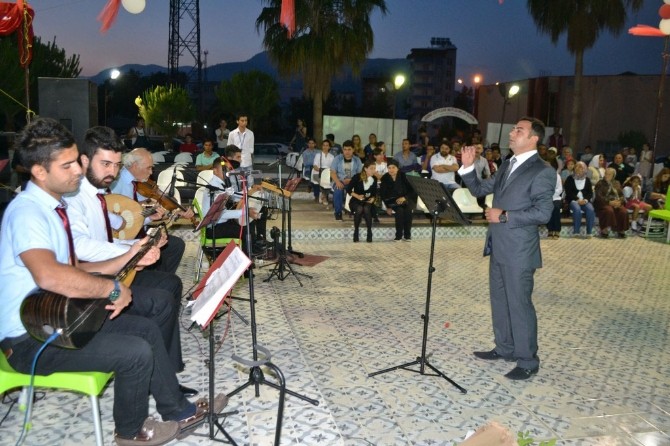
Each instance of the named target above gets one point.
<point>664,11</point>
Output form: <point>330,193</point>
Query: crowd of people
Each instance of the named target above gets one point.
<point>615,192</point>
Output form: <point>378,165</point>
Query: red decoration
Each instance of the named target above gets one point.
<point>19,17</point>
<point>287,16</point>
<point>646,31</point>
<point>108,15</point>
<point>664,11</point>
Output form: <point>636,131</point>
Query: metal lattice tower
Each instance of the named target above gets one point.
<point>185,40</point>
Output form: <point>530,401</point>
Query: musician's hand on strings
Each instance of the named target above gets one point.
<point>163,240</point>
<point>159,214</point>
<point>124,299</point>
<point>149,258</point>
<point>188,214</point>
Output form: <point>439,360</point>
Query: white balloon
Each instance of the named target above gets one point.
<point>664,26</point>
<point>136,6</point>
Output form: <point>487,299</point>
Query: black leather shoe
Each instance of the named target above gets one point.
<point>188,392</point>
<point>519,373</point>
<point>491,356</point>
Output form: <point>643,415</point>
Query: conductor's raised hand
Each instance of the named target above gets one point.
<point>468,156</point>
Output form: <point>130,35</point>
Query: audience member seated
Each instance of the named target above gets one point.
<point>554,223</point>
<point>322,160</point>
<point>608,204</point>
<point>444,167</point>
<point>623,170</point>
<point>632,193</point>
<point>345,166</point>
<point>399,199</point>
<point>599,164</point>
<point>363,191</point>
<point>568,170</point>
<point>659,189</point>
<point>208,157</point>
<point>188,146</point>
<point>426,170</point>
<point>407,160</point>
<point>578,196</point>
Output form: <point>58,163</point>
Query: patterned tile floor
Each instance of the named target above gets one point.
<point>603,313</point>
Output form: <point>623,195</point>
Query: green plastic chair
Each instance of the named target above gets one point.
<point>204,240</point>
<point>89,383</point>
<point>661,214</point>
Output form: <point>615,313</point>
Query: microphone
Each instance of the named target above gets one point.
<point>172,182</point>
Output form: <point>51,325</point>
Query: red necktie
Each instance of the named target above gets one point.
<point>135,191</point>
<point>62,213</point>
<point>103,203</point>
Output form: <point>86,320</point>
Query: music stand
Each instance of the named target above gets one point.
<point>283,268</point>
<point>218,205</point>
<point>209,296</point>
<point>256,375</point>
<point>431,191</point>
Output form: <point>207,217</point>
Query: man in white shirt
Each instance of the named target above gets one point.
<point>243,138</point>
<point>444,167</point>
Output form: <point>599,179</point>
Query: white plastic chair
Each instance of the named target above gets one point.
<point>158,157</point>
<point>466,202</point>
<point>294,160</point>
<point>165,178</point>
<point>205,176</point>
<point>184,157</point>
<point>325,179</point>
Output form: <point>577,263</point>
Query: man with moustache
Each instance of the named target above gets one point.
<point>157,294</point>
<point>243,138</point>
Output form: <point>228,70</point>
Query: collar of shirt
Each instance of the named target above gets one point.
<point>520,159</point>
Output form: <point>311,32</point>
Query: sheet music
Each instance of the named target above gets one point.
<point>219,284</point>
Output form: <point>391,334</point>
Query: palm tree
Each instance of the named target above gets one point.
<point>583,21</point>
<point>330,35</point>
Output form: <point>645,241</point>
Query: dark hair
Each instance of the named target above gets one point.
<point>377,151</point>
<point>40,140</point>
<point>348,143</point>
<point>536,127</point>
<point>327,141</point>
<point>100,137</point>
<point>392,162</point>
<point>379,144</point>
<point>206,140</point>
<point>231,150</point>
<point>330,136</point>
<point>241,115</point>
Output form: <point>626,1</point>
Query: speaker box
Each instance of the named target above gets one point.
<point>72,102</point>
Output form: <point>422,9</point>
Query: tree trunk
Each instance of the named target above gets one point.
<point>576,111</point>
<point>317,117</point>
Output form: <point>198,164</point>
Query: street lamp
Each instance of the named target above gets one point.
<point>475,109</point>
<point>507,92</point>
<point>398,82</point>
<point>113,75</point>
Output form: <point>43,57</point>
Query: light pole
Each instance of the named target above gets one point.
<point>398,82</point>
<point>113,75</point>
<point>475,109</point>
<point>507,92</point>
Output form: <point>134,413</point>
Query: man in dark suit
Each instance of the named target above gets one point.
<point>522,199</point>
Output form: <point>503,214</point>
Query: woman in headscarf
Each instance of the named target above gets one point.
<point>609,207</point>
<point>578,196</point>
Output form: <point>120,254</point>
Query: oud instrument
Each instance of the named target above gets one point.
<point>43,312</point>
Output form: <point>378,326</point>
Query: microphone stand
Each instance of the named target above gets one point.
<point>173,181</point>
<point>256,376</point>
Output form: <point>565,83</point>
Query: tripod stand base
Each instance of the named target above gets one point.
<point>283,269</point>
<point>422,363</point>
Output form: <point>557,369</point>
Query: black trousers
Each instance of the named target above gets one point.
<point>403,221</point>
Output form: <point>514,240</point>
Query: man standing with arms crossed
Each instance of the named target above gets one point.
<point>243,138</point>
<point>522,200</point>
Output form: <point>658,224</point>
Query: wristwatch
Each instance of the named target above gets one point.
<point>116,292</point>
<point>503,217</point>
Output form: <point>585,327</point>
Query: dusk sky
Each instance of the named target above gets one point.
<point>500,42</point>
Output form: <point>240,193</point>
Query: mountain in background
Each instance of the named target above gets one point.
<point>289,87</point>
